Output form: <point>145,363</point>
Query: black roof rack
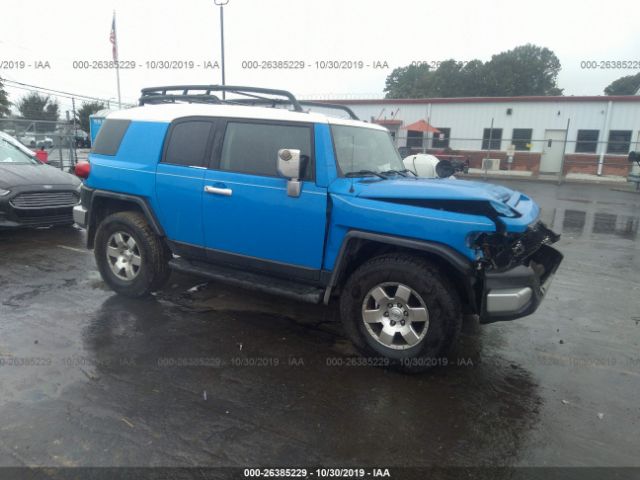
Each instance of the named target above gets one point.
<point>252,96</point>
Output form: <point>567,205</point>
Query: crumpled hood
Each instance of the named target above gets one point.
<point>19,175</point>
<point>426,188</point>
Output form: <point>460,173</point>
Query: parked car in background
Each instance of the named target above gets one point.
<point>33,194</point>
<point>35,141</point>
<point>14,141</point>
<point>82,139</point>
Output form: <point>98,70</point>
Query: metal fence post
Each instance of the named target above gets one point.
<point>564,152</point>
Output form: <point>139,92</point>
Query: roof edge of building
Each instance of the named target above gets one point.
<point>424,101</point>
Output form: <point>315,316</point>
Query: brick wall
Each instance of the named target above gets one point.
<point>525,161</point>
<point>530,161</point>
<point>588,163</point>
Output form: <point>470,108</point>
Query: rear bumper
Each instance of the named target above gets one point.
<point>519,292</point>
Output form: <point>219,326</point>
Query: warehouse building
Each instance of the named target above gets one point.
<point>569,134</point>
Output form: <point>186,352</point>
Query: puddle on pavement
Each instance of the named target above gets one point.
<point>576,223</point>
<point>154,361</point>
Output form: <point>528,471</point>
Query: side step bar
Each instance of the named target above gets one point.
<point>250,281</point>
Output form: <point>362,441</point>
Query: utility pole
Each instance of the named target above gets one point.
<point>221,4</point>
<point>75,126</point>
<point>75,132</point>
<point>113,38</point>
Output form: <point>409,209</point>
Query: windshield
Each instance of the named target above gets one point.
<point>9,153</point>
<point>360,149</point>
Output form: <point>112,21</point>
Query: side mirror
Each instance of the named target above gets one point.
<point>289,167</point>
<point>444,169</point>
<point>634,157</point>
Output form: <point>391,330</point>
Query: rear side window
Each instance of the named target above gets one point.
<point>253,147</point>
<point>110,136</point>
<point>188,143</point>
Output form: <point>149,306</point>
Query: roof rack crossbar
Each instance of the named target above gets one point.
<point>253,96</point>
<point>155,94</point>
<point>336,106</point>
<point>165,98</point>
<point>277,101</point>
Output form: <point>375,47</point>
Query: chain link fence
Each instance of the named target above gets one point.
<point>63,142</point>
<point>554,156</point>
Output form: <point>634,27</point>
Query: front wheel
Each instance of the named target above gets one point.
<point>131,258</point>
<point>402,308</point>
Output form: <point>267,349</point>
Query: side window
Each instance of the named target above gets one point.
<point>110,136</point>
<point>187,143</point>
<point>253,147</point>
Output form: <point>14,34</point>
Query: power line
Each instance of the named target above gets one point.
<point>60,93</point>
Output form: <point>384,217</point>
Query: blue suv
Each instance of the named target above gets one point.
<point>262,191</point>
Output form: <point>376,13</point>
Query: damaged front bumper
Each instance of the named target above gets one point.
<point>517,273</point>
<point>518,292</point>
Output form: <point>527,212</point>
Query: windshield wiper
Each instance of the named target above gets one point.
<point>402,173</point>
<point>362,173</point>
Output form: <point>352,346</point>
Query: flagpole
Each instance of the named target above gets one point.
<point>115,58</point>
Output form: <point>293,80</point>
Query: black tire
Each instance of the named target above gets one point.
<point>433,289</point>
<point>153,270</point>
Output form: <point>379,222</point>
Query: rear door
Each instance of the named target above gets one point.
<point>249,220</point>
<point>180,177</point>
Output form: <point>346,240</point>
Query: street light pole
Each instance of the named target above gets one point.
<point>221,4</point>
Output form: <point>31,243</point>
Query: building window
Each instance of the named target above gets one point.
<point>491,139</point>
<point>587,141</point>
<point>414,139</point>
<point>521,138</point>
<point>441,140</point>
<point>619,142</point>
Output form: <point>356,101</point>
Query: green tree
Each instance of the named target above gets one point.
<point>4,101</point>
<point>408,82</point>
<point>628,85</point>
<point>87,109</point>
<point>525,70</point>
<point>38,107</point>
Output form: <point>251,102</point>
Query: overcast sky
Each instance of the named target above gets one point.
<point>396,32</point>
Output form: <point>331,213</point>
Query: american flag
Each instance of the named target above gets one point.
<point>112,38</point>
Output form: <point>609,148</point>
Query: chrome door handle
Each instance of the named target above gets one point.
<point>218,191</point>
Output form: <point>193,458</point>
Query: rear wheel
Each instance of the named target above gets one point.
<point>401,307</point>
<point>131,258</point>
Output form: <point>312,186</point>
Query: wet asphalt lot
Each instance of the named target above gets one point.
<point>221,377</point>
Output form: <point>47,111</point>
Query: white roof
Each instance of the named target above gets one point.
<point>167,112</point>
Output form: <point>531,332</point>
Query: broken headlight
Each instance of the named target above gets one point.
<point>503,251</point>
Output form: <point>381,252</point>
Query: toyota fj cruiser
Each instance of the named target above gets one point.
<point>262,191</point>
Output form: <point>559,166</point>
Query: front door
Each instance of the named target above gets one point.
<point>552,151</point>
<point>249,220</point>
